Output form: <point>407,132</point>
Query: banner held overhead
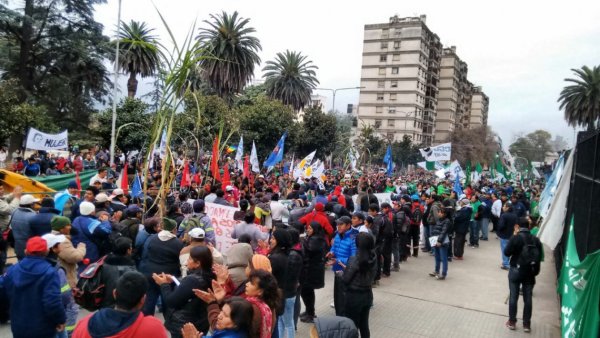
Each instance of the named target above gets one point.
<point>38,140</point>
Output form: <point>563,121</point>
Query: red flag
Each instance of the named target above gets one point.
<point>78,181</point>
<point>185,176</point>
<point>196,178</point>
<point>214,162</point>
<point>246,167</point>
<point>124,181</point>
<point>226,177</point>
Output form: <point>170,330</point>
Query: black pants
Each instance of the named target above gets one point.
<point>358,305</point>
<point>459,244</point>
<point>308,297</point>
<point>404,243</point>
<point>514,299</point>
<point>297,306</point>
<point>494,220</point>
<point>414,234</point>
<point>379,261</point>
<point>339,295</point>
<point>386,252</point>
<point>450,246</point>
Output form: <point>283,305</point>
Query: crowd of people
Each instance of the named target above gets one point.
<point>164,255</point>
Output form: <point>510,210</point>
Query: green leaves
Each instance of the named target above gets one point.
<point>581,100</point>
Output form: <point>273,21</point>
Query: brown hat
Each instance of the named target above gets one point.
<point>261,262</point>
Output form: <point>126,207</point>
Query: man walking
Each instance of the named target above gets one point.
<point>344,247</point>
<point>506,224</point>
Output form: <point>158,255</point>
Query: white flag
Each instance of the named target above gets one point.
<point>353,158</point>
<point>441,152</point>
<point>254,159</point>
<point>239,154</point>
<point>306,161</point>
<point>163,144</point>
<point>38,140</point>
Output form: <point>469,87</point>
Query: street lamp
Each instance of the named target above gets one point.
<point>114,108</point>
<point>334,91</point>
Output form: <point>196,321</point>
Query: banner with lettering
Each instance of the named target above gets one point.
<point>441,152</point>
<point>38,140</point>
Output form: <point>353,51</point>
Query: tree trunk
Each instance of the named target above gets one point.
<point>25,67</point>
<point>132,84</point>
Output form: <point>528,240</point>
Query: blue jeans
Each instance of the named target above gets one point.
<point>474,232</point>
<point>62,334</point>
<point>527,302</point>
<point>485,224</point>
<point>505,260</point>
<point>441,256</point>
<point>427,233</point>
<point>152,296</point>
<point>286,321</point>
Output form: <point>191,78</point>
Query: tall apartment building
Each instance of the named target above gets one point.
<point>478,112</point>
<point>411,86</point>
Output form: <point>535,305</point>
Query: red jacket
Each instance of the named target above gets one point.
<point>319,217</point>
<point>147,327</point>
<point>340,197</point>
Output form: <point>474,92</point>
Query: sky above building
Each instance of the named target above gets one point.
<point>520,52</point>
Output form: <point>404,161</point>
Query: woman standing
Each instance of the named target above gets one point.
<point>280,245</point>
<point>358,278</point>
<point>181,305</point>
<point>313,273</point>
<point>232,320</point>
<point>440,249</point>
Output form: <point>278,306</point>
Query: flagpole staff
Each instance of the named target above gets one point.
<point>114,108</point>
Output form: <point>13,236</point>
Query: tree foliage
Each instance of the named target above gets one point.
<point>532,146</point>
<point>581,100</point>
<point>135,120</point>
<point>476,145</point>
<point>370,147</point>
<point>318,132</point>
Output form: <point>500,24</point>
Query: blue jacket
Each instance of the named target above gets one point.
<point>92,232</point>
<point>40,223</point>
<point>344,247</point>
<point>20,224</point>
<point>228,333</point>
<point>36,307</point>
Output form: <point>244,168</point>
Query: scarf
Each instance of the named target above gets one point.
<point>266,324</point>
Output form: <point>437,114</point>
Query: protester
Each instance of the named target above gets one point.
<point>68,255</point>
<point>441,243</point>
<point>40,223</point>
<point>462,221</point>
<point>313,273</point>
<point>92,232</point>
<point>116,264</point>
<point>247,227</point>
<point>233,319</point>
<point>506,224</point>
<point>21,223</point>
<point>343,247</point>
<point>238,257</point>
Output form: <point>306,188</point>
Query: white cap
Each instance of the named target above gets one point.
<point>261,176</point>
<point>101,198</point>
<point>52,239</point>
<point>228,188</point>
<point>86,208</point>
<point>28,199</point>
<point>196,233</point>
<point>118,192</point>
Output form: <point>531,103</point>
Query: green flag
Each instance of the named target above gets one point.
<point>430,165</point>
<point>468,173</point>
<point>478,168</point>
<point>579,286</point>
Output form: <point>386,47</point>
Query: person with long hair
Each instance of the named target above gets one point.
<point>358,278</point>
<point>232,319</point>
<point>181,305</point>
<point>280,245</point>
<point>313,273</point>
<point>442,243</point>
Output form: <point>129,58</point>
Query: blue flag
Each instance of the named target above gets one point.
<point>136,187</point>
<point>387,159</point>
<point>457,186</point>
<point>277,154</point>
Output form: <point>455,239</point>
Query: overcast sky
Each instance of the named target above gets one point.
<point>518,51</point>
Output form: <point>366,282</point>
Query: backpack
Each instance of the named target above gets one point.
<point>530,257</point>
<point>89,291</point>
<point>416,217</point>
<point>401,222</point>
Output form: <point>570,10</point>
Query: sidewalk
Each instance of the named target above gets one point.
<point>469,303</point>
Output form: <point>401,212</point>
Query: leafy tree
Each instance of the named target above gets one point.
<point>476,145</point>
<point>370,147</point>
<point>319,131</point>
<point>532,146</point>
<point>581,101</point>
<point>139,53</point>
<point>559,143</point>
<point>405,152</point>
<point>133,123</point>
<point>57,56</point>
<point>250,94</point>
<point>229,53</point>
<point>291,79</point>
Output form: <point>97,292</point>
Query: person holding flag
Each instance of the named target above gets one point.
<point>277,154</point>
<point>387,159</point>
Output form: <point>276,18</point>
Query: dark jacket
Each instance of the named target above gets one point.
<point>93,233</point>
<point>462,220</point>
<point>313,273</point>
<point>21,229</point>
<point>292,276</point>
<point>33,289</point>
<point>513,250</point>
<point>113,268</point>
<point>440,229</point>
<point>40,223</point>
<point>367,200</point>
<point>161,256</point>
<point>129,227</point>
<point>279,266</point>
<point>335,327</point>
<point>183,306</point>
<point>506,224</point>
<point>357,281</point>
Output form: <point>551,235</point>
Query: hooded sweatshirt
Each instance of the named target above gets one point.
<point>36,306</point>
<point>113,323</point>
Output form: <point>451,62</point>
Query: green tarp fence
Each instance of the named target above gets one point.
<point>60,182</point>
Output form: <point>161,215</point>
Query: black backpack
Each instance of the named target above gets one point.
<point>530,257</point>
<point>89,292</point>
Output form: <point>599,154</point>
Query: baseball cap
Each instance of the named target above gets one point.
<point>28,199</point>
<point>359,215</point>
<point>344,220</point>
<point>261,176</point>
<point>228,188</point>
<point>36,245</point>
<point>198,205</point>
<point>72,185</point>
<point>196,233</point>
<point>118,192</point>
<point>134,208</point>
<point>86,208</point>
<point>52,240</point>
<point>385,205</point>
<point>101,197</point>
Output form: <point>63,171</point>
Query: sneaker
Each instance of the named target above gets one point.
<point>433,274</point>
<point>332,305</point>
<point>438,277</point>
<point>527,328</point>
<point>504,267</point>
<point>458,258</point>
<point>396,268</point>
<point>385,275</point>
<point>510,325</point>
<point>308,319</point>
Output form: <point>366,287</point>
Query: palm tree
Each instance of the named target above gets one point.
<point>290,79</point>
<point>581,101</point>
<point>230,53</point>
<point>139,53</point>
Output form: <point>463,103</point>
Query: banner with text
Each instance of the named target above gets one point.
<point>221,217</point>
<point>41,141</point>
<point>437,153</point>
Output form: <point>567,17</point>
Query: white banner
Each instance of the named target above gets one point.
<point>437,153</point>
<point>38,140</point>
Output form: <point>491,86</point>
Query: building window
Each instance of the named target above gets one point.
<point>385,33</point>
<point>394,70</point>
<point>392,110</point>
<point>396,44</point>
<point>379,109</point>
<point>380,84</point>
<point>377,124</point>
<point>393,97</point>
<point>384,45</point>
<point>382,58</point>
<point>382,71</point>
<point>391,123</point>
<point>396,57</point>
<point>379,96</point>
<point>394,84</point>
<point>390,136</point>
